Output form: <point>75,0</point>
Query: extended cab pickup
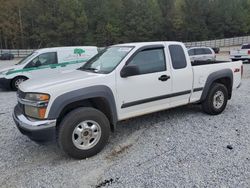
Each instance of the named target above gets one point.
<point>241,54</point>
<point>81,107</point>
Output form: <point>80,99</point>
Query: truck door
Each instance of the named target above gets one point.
<point>149,90</point>
<point>182,75</point>
<point>42,65</point>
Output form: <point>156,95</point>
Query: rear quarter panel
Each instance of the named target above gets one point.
<point>202,72</point>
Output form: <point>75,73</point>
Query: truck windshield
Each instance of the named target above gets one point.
<point>27,58</point>
<point>107,60</point>
<point>246,46</point>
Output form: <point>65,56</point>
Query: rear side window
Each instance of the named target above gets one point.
<point>150,61</point>
<point>247,46</point>
<point>207,51</point>
<point>177,56</point>
<point>199,51</point>
<point>191,52</point>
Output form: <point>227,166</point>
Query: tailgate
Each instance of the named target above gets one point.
<point>240,52</point>
<point>237,68</point>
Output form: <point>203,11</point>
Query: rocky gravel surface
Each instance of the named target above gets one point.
<point>180,147</point>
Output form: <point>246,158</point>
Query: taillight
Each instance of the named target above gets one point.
<point>248,52</point>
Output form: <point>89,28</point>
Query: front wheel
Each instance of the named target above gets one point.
<point>16,82</point>
<point>216,100</point>
<point>83,133</point>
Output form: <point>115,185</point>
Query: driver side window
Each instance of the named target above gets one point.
<point>150,61</point>
<point>44,59</point>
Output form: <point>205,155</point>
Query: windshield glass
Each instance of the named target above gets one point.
<point>107,60</point>
<point>27,59</point>
<point>246,46</point>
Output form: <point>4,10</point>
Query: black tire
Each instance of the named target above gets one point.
<point>208,105</point>
<point>14,87</point>
<point>69,124</point>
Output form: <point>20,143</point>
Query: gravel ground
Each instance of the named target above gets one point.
<point>181,147</point>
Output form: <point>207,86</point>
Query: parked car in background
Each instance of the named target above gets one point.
<point>81,107</point>
<point>241,54</point>
<point>6,56</point>
<point>201,54</point>
<point>216,50</point>
<point>46,61</point>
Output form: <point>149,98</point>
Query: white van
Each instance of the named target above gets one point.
<point>44,62</point>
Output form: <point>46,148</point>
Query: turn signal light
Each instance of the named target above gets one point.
<point>44,97</point>
<point>41,112</point>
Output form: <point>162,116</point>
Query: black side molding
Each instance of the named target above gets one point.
<point>198,89</point>
<point>135,103</point>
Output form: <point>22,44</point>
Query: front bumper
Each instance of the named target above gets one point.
<point>40,130</point>
<point>5,83</point>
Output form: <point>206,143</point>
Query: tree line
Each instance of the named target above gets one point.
<point>47,23</point>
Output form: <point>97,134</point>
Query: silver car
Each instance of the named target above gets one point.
<point>201,54</point>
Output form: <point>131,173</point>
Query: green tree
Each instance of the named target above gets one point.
<point>142,20</point>
<point>36,24</point>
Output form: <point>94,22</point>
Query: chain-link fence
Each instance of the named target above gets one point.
<point>17,52</point>
<point>236,41</point>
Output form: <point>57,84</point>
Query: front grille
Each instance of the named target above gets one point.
<point>20,95</point>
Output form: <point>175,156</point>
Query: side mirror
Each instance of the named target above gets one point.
<point>130,70</point>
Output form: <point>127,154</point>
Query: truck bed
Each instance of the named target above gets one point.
<point>202,69</point>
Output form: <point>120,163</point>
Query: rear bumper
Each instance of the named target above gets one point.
<point>40,130</point>
<point>5,83</point>
<point>240,59</point>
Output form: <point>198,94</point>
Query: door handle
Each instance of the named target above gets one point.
<point>164,78</point>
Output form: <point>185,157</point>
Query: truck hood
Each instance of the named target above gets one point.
<point>56,80</point>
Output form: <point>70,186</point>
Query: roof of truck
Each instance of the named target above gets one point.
<point>148,43</point>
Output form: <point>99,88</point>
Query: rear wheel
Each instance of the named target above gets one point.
<point>16,82</point>
<point>83,133</point>
<point>216,100</point>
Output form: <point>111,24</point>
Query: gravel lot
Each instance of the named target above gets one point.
<point>176,148</point>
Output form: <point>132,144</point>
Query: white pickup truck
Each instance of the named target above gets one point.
<point>81,107</point>
<point>241,54</point>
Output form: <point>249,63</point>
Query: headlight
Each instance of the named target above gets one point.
<point>34,112</point>
<point>35,104</point>
<point>37,97</point>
